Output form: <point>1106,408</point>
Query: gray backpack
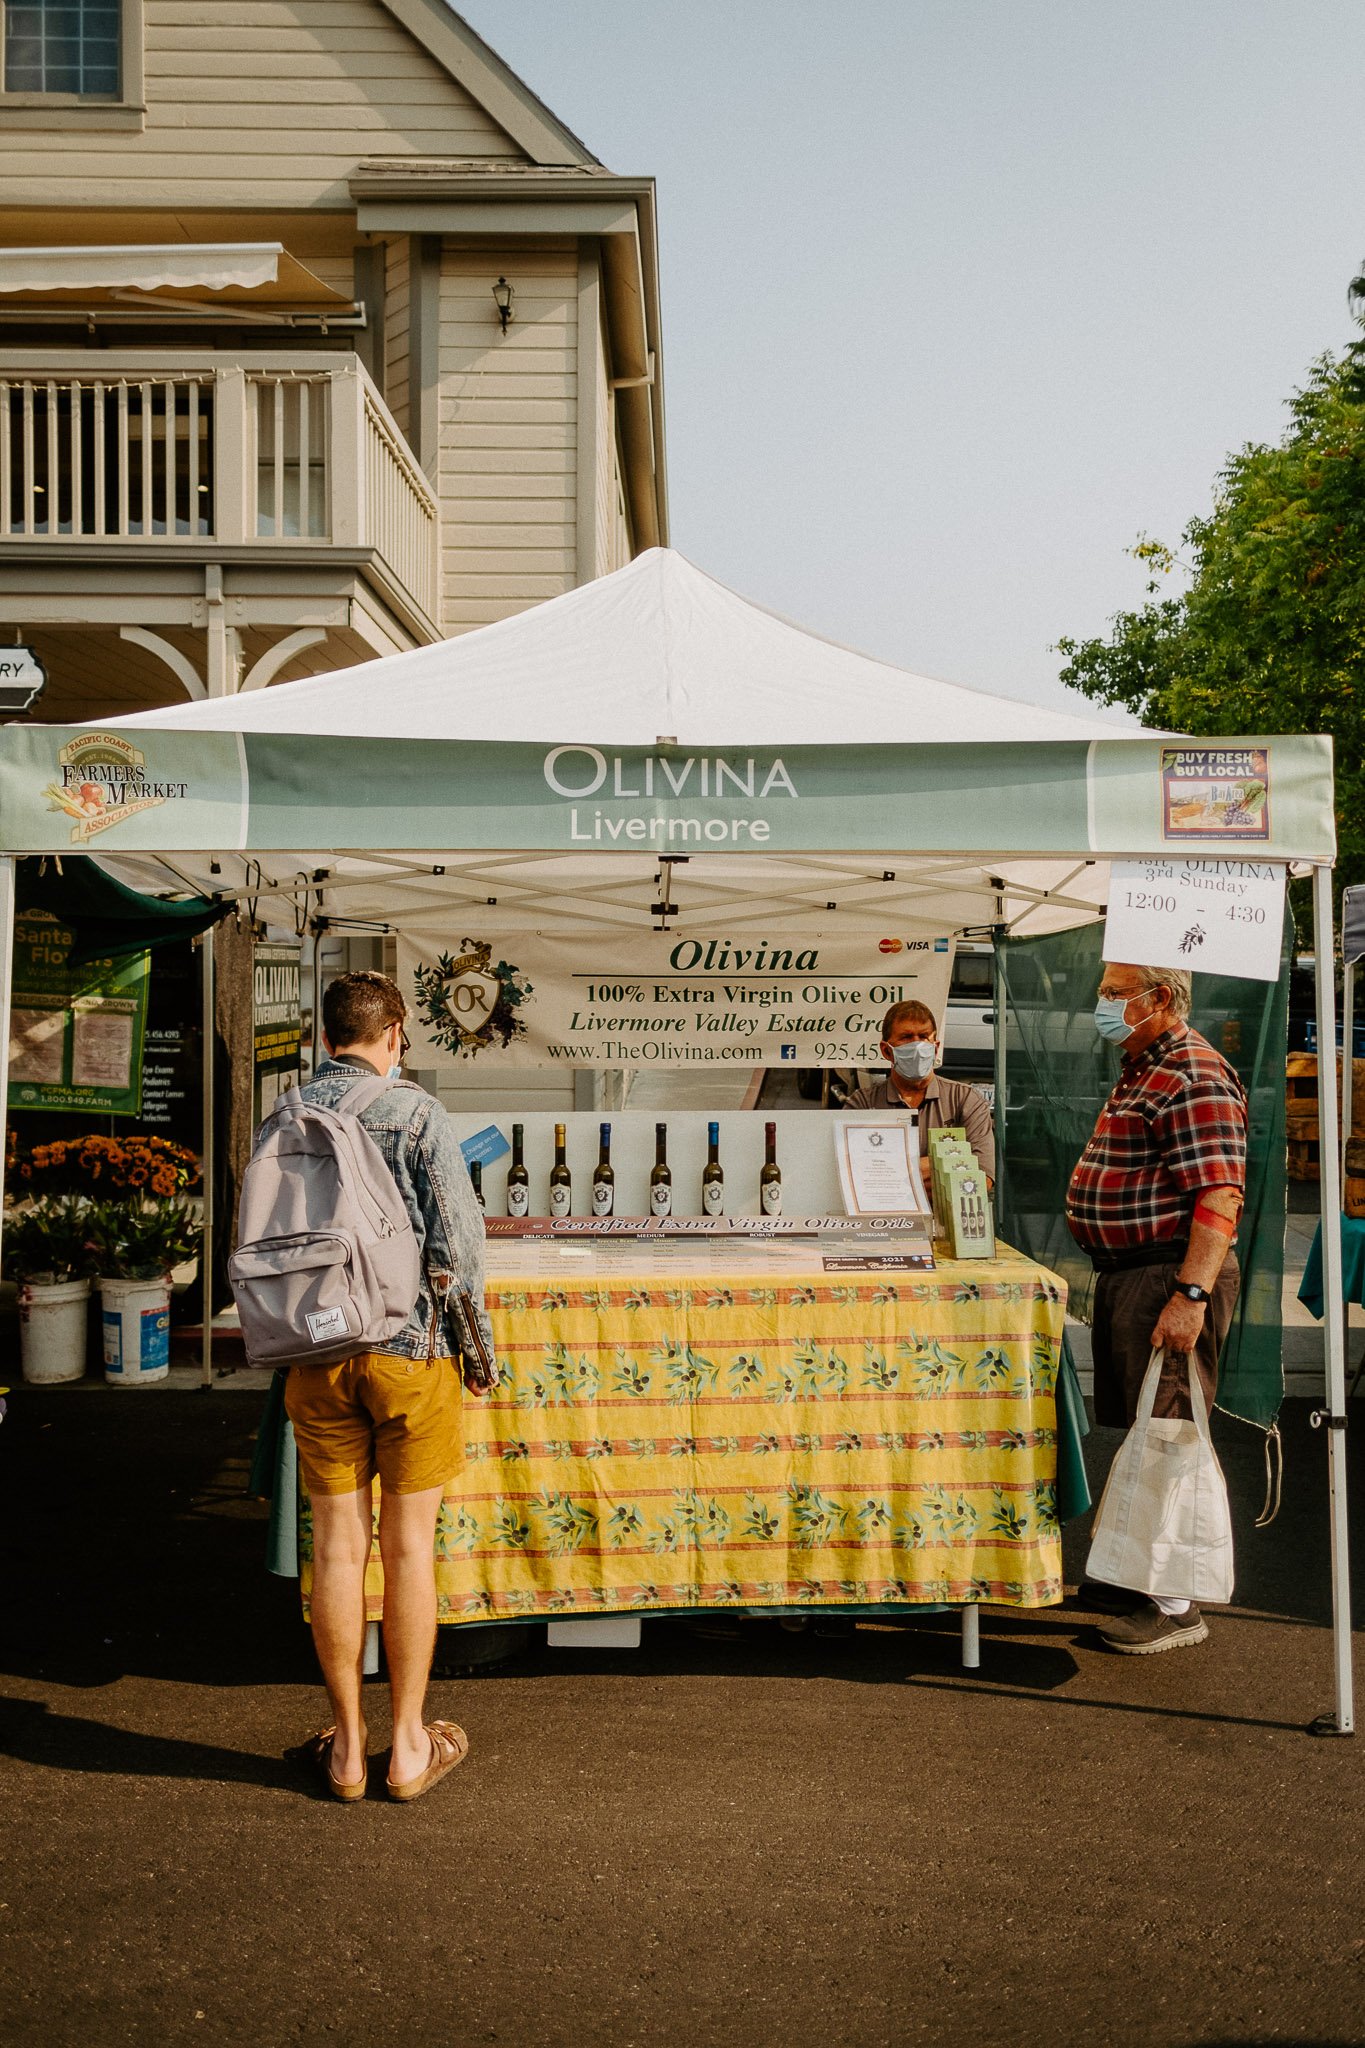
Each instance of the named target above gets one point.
<point>327,1263</point>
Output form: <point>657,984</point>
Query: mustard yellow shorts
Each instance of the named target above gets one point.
<point>399,1417</point>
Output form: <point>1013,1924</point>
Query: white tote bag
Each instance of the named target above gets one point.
<point>1163,1525</point>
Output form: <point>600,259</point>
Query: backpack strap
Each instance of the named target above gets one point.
<point>358,1099</point>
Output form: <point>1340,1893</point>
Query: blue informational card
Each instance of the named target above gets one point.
<point>485,1146</point>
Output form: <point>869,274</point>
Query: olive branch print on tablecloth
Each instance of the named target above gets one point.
<point>1006,1519</point>
<point>815,1519</point>
<point>645,1453</point>
<point>687,1373</point>
<point>569,1524</point>
<point>561,1381</point>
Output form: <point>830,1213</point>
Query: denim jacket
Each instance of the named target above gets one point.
<point>418,1142</point>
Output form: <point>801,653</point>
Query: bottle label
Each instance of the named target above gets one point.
<point>559,1201</point>
<point>518,1199</point>
<point>772,1198</point>
<point>661,1199</point>
<point>602,1194</point>
<point>713,1197</point>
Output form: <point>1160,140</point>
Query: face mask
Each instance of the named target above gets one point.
<point>915,1061</point>
<point>1110,1020</point>
<point>395,1071</point>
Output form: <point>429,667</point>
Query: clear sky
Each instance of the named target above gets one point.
<point>960,296</point>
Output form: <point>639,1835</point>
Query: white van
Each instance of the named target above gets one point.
<point>969,1026</point>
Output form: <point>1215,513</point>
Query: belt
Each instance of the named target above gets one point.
<point>1168,1252</point>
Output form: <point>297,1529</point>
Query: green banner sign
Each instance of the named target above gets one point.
<point>141,790</point>
<point>75,1032</point>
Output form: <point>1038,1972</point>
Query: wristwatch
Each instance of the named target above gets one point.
<point>1190,1291</point>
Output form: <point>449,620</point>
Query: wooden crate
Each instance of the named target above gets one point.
<point>1353,1196</point>
<point>1301,1095</point>
<point>1303,1159</point>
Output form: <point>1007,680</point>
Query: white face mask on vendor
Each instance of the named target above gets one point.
<point>916,1060</point>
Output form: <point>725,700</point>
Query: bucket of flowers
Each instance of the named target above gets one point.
<point>47,1250</point>
<point>137,1226</point>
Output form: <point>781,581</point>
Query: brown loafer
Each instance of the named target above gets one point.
<point>316,1753</point>
<point>449,1746</point>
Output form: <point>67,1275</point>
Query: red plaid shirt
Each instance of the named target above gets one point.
<point>1176,1122</point>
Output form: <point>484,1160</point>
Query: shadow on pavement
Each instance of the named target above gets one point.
<point>131,1548</point>
<point>31,1733</point>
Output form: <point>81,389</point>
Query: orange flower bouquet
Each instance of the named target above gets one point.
<point>104,1169</point>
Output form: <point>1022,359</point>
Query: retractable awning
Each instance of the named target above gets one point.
<point>246,273</point>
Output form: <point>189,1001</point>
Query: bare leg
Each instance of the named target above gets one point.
<point>407,1544</point>
<point>341,1548</point>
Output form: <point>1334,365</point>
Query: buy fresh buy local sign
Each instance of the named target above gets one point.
<point>662,998</point>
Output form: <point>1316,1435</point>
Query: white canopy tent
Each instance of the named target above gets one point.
<point>558,764</point>
<point>657,654</point>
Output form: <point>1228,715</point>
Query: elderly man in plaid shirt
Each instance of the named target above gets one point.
<point>1155,1199</point>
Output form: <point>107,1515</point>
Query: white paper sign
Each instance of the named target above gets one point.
<point>1213,916</point>
<point>879,1168</point>
<point>660,999</point>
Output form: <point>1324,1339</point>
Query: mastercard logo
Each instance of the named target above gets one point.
<point>888,945</point>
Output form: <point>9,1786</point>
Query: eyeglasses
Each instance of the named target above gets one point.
<point>404,1043</point>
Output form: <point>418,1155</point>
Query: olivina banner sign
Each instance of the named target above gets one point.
<point>660,999</point>
<point>135,789</point>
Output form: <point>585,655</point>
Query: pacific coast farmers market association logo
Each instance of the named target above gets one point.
<point>468,1004</point>
<point>104,781</point>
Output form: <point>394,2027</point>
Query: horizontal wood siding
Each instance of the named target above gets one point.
<point>259,102</point>
<point>508,470</point>
<point>397,346</point>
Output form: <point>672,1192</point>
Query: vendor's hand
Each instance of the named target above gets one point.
<point>1179,1325</point>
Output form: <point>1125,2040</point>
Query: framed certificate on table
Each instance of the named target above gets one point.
<point>879,1168</point>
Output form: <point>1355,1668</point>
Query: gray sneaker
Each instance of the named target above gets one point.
<point>1147,1631</point>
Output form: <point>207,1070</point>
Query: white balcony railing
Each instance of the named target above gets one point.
<point>284,452</point>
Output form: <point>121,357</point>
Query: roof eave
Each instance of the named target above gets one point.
<point>507,99</point>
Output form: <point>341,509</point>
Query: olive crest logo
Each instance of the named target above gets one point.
<point>466,1003</point>
<point>104,781</point>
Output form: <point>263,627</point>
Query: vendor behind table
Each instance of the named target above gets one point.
<point>913,1050</point>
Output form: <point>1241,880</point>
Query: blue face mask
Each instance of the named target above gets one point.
<point>1110,1021</point>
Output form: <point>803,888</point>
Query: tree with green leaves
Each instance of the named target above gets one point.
<point>1269,633</point>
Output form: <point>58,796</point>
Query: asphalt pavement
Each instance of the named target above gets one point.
<point>773,1838</point>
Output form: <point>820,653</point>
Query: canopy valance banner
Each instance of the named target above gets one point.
<point>135,789</point>
<point>663,999</point>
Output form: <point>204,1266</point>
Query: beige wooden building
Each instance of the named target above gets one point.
<point>320,338</point>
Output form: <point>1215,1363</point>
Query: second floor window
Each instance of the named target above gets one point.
<point>66,46</point>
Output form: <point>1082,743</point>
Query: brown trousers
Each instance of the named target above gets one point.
<point>1126,1308</point>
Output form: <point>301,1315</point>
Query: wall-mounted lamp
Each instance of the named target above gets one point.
<point>503,295</point>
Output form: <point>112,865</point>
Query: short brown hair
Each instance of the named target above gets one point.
<point>909,1012</point>
<point>358,1008</point>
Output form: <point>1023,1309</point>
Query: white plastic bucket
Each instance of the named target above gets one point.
<point>52,1321</point>
<point>135,1316</point>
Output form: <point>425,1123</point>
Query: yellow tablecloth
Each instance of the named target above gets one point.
<point>810,1440</point>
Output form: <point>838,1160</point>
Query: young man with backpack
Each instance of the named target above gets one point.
<point>326,1258</point>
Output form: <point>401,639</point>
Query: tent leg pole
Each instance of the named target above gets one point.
<point>1342,1722</point>
<point>206,1249</point>
<point>1001,1161</point>
<point>1348,1075</point>
<point>318,1054</point>
<point>8,873</point>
